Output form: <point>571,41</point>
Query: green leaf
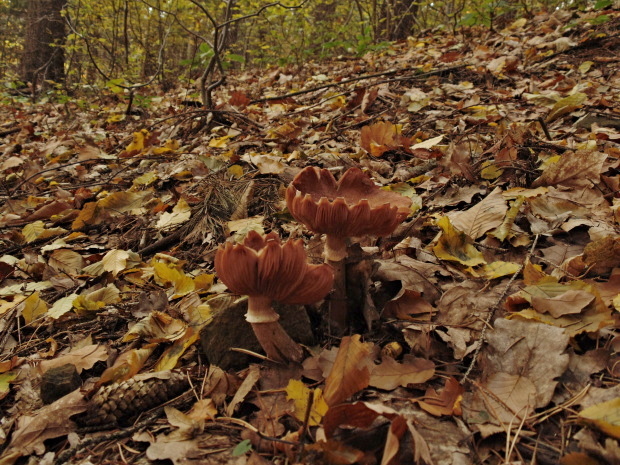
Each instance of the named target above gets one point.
<point>602,4</point>
<point>601,19</point>
<point>243,447</point>
<point>235,57</point>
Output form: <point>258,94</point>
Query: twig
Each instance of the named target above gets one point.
<point>304,427</point>
<point>359,78</point>
<point>543,125</point>
<point>487,321</point>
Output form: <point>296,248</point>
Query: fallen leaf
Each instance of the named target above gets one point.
<point>446,402</point>
<point>455,245</point>
<point>390,374</point>
<point>605,416</point>
<point>351,370</point>
<point>300,395</point>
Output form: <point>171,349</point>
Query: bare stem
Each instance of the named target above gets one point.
<point>276,343</point>
<point>335,255</point>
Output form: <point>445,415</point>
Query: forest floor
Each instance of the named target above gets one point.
<point>483,330</point>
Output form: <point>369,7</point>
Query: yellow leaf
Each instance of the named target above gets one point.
<point>170,146</point>
<point>573,325</point>
<point>127,365</point>
<point>605,416</point>
<point>97,299</point>
<point>171,355</point>
<point>5,380</point>
<point>566,105</point>
<point>138,142</point>
<point>219,142</point>
<point>490,170</point>
<point>5,305</point>
<point>236,171</point>
<point>33,230</point>
<point>300,394</point>
<point>83,305</point>
<point>167,274</point>
<point>456,246</point>
<point>115,118</point>
<point>121,202</point>
<point>585,66</point>
<point>67,261</point>
<point>498,269</point>
<point>146,179</point>
<point>33,307</point>
<point>242,227</point>
<point>504,230</point>
<point>203,281</point>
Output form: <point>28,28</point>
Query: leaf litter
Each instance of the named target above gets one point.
<point>486,329</point>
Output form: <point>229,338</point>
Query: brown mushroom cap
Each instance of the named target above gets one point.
<point>351,206</point>
<point>262,266</point>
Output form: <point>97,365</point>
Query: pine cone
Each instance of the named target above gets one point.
<point>119,402</point>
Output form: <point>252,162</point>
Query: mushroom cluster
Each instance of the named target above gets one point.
<point>353,206</point>
<point>265,270</point>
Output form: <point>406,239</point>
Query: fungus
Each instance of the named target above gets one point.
<point>350,207</point>
<point>265,270</point>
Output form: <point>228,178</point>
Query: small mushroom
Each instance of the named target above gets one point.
<point>350,207</point>
<point>265,270</point>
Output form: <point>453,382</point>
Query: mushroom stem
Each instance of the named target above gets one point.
<point>276,343</point>
<point>335,255</point>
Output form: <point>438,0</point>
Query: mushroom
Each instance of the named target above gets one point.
<point>265,270</point>
<point>351,207</point>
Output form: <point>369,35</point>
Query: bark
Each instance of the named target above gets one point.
<point>398,19</point>
<point>43,56</point>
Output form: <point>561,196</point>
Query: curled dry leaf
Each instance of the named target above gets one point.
<point>381,137</point>
<point>446,402</point>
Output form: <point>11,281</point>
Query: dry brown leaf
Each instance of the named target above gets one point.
<point>574,169</point>
<point>66,261</point>
<point>381,137</point>
<point>239,99</point>
<point>47,211</point>
<point>337,453</point>
<point>351,370</point>
<point>127,365</point>
<point>570,302</point>
<point>357,414</point>
<point>446,402</point>
<point>390,374</point>
<point>408,305</point>
<point>51,421</point>
<point>246,386</point>
<point>398,427</point>
<point>482,217</point>
<point>83,358</point>
<point>533,350</point>
<point>509,398</point>
<point>602,255</point>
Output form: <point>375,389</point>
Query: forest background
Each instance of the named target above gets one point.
<point>125,45</point>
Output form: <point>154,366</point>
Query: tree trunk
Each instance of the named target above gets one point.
<point>398,19</point>
<point>43,57</point>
